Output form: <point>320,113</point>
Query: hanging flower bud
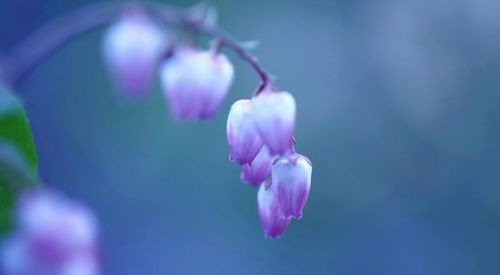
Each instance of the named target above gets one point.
<point>242,136</point>
<point>274,114</point>
<point>54,236</point>
<point>196,82</point>
<point>291,177</point>
<point>259,169</point>
<point>270,213</point>
<point>132,49</point>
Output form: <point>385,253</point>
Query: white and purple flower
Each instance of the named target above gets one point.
<point>274,114</point>
<point>132,49</point>
<point>242,136</point>
<point>270,213</point>
<point>55,236</point>
<point>291,176</point>
<point>260,168</point>
<point>196,82</point>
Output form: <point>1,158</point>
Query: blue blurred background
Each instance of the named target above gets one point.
<point>398,109</point>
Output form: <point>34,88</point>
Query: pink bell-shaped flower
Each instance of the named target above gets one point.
<point>270,214</point>
<point>274,114</point>
<point>291,177</point>
<point>132,49</point>
<point>260,168</point>
<point>242,136</point>
<point>196,82</point>
<point>54,236</point>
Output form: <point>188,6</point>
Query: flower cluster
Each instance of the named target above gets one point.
<point>55,236</point>
<point>260,138</point>
<point>195,83</point>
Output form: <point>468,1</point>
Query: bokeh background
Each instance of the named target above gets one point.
<point>398,109</point>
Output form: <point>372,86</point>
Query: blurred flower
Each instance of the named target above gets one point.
<point>196,82</point>
<point>274,114</point>
<point>291,177</point>
<point>259,169</point>
<point>242,136</point>
<point>270,213</point>
<point>132,49</point>
<point>55,236</point>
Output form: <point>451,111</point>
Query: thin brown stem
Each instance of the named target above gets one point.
<point>227,41</point>
<point>61,30</point>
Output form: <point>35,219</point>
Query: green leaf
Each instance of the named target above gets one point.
<point>14,127</point>
<point>18,159</point>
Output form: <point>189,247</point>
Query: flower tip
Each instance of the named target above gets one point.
<point>297,215</point>
<point>248,180</point>
<point>274,236</point>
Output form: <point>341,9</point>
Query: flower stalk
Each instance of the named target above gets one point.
<point>16,66</point>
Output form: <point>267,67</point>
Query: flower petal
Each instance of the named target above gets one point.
<point>242,136</point>
<point>291,177</point>
<point>270,214</point>
<point>274,114</point>
<point>132,48</point>
<point>196,82</point>
<point>260,168</point>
